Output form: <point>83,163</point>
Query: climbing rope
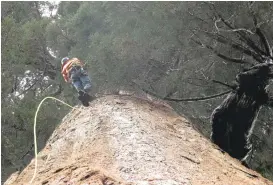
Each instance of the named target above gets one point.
<point>34,132</point>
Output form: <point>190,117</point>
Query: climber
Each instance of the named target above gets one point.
<point>73,72</point>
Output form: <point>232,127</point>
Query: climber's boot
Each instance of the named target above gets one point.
<point>84,98</point>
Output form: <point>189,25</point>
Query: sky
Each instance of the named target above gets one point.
<point>46,12</point>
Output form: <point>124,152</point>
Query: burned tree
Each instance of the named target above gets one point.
<point>234,119</point>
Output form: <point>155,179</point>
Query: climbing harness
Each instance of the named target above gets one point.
<point>34,131</point>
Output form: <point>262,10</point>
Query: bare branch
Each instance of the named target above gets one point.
<point>244,38</point>
<point>225,84</point>
<point>231,30</point>
<point>260,33</point>
<point>32,85</point>
<point>241,34</point>
<point>264,41</point>
<point>214,81</point>
<point>234,60</point>
<point>237,46</point>
<point>258,66</point>
<point>198,98</point>
<point>184,99</point>
<point>38,79</point>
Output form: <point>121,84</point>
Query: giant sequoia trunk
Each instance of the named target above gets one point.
<point>234,119</point>
<point>127,140</point>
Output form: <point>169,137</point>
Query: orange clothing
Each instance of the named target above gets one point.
<point>67,66</point>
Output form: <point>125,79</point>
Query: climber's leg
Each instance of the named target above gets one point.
<point>86,83</point>
<point>77,84</point>
<point>75,75</point>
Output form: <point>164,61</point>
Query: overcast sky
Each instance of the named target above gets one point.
<point>46,11</point>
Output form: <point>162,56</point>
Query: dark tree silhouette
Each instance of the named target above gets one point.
<point>234,119</point>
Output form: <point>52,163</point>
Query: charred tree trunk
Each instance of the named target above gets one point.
<point>234,119</point>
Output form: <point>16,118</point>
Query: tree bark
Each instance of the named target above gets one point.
<point>234,119</point>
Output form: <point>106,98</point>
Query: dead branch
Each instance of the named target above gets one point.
<point>32,85</point>
<point>214,81</point>
<point>225,84</point>
<point>231,30</point>
<point>260,33</point>
<point>264,41</point>
<point>198,98</point>
<point>242,36</point>
<point>184,99</point>
<point>234,60</point>
<point>38,79</point>
<point>237,46</point>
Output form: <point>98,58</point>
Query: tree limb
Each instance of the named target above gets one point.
<point>184,99</point>
<point>243,37</point>
<point>241,34</point>
<point>234,60</point>
<point>224,40</point>
<point>34,83</point>
<point>260,34</point>
<point>231,30</point>
<point>39,78</point>
<point>264,41</point>
<point>198,98</point>
<point>225,84</point>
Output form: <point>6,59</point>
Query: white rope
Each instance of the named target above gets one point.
<point>34,132</point>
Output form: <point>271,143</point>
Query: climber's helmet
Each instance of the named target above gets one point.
<point>64,60</point>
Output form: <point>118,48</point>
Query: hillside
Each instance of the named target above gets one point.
<point>127,140</point>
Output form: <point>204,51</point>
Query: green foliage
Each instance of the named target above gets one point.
<point>24,49</point>
<point>21,12</point>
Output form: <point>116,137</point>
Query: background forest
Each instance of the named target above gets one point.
<point>158,46</point>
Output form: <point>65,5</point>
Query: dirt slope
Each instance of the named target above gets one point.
<point>125,140</point>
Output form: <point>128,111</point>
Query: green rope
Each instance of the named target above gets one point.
<point>34,132</point>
